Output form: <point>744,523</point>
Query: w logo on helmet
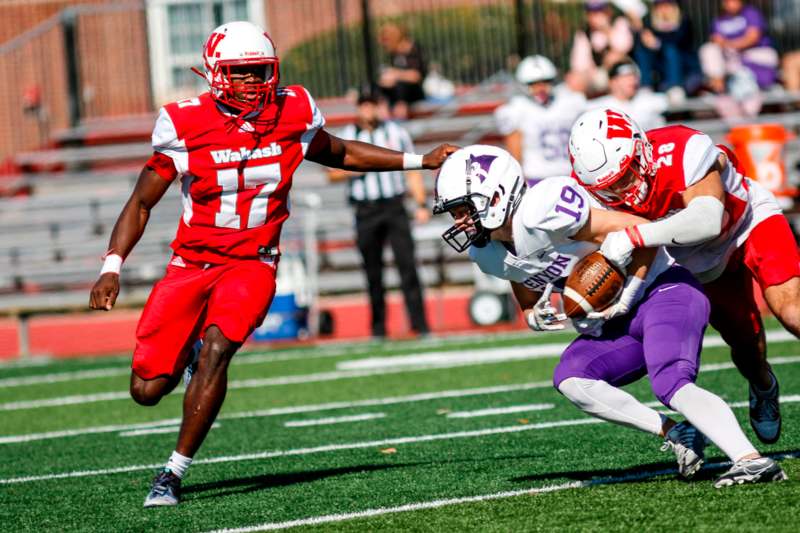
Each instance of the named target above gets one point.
<point>478,166</point>
<point>212,43</point>
<point>619,127</point>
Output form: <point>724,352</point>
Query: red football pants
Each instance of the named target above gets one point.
<point>234,297</point>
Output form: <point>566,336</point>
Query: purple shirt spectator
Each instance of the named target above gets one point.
<point>734,26</point>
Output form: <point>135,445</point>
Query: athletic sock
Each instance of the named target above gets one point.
<point>178,464</point>
<point>599,399</point>
<point>711,415</point>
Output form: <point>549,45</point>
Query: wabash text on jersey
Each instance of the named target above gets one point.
<point>235,174</point>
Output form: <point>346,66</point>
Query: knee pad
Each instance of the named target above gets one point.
<point>579,392</point>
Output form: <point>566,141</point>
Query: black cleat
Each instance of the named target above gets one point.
<point>765,412</point>
<point>166,490</point>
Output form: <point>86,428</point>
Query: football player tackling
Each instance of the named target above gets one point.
<point>533,238</point>
<point>724,228</point>
<point>235,149</point>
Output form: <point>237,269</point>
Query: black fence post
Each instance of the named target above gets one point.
<point>520,28</point>
<point>69,18</point>
<point>343,49</point>
<point>366,36</point>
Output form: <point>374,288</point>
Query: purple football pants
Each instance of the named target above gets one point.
<point>661,337</point>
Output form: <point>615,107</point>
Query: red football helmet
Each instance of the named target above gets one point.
<point>241,44</point>
<point>612,158</point>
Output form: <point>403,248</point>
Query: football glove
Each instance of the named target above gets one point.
<point>617,248</point>
<point>543,316</point>
<point>630,295</point>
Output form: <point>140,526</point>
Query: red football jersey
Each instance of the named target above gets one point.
<point>684,156</point>
<point>235,174</point>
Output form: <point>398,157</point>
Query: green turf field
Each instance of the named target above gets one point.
<point>447,434</point>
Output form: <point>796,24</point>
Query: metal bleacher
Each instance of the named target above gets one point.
<point>52,241</point>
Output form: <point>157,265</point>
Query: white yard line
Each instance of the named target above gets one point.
<point>322,449</point>
<point>278,411</point>
<point>792,398</point>
<point>333,420</point>
<point>435,504</point>
<point>502,354</point>
<point>317,449</point>
<point>501,410</point>
<point>483,356</point>
<point>60,377</point>
<point>155,431</point>
<point>490,357</point>
<point>9,439</point>
<point>241,360</point>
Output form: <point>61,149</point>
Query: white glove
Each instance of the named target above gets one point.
<point>617,248</point>
<point>543,316</point>
<point>631,293</point>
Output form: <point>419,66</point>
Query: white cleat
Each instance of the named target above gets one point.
<point>761,470</point>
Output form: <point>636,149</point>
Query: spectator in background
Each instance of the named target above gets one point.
<point>646,107</point>
<point>536,126</point>
<point>401,80</point>
<point>604,40</point>
<point>381,214</point>
<point>665,48</point>
<point>740,48</point>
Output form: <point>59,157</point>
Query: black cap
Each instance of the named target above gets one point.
<point>625,66</point>
<point>368,94</point>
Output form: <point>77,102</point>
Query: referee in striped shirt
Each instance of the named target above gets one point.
<point>378,198</point>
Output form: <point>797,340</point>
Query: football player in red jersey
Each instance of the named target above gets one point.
<point>235,149</point>
<point>726,229</point>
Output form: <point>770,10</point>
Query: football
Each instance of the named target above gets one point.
<point>592,285</point>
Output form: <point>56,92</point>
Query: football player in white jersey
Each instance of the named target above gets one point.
<point>728,230</point>
<point>533,237</point>
<point>536,126</point>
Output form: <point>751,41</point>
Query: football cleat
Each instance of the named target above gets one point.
<point>761,470</point>
<point>765,412</point>
<point>166,490</point>
<point>688,444</point>
<point>191,368</point>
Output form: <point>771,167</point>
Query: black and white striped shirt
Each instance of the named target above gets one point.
<point>379,185</point>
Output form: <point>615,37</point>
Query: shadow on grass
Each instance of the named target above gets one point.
<point>644,472</point>
<point>243,485</point>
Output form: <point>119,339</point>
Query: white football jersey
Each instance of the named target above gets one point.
<point>645,108</point>
<point>545,130</point>
<point>550,213</point>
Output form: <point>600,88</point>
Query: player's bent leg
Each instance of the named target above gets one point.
<point>735,315</point>
<point>206,391</point>
<point>601,400</point>
<point>709,413</point>
<point>589,372</point>
<point>148,392</point>
<point>201,404</point>
<point>671,322</point>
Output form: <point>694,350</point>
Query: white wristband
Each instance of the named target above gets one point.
<point>412,161</point>
<point>113,263</point>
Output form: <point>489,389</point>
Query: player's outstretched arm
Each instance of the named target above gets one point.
<point>149,189</point>
<point>699,221</point>
<point>331,151</point>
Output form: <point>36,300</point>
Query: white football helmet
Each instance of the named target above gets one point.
<point>612,157</point>
<point>240,44</point>
<point>536,68</point>
<point>486,180</point>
